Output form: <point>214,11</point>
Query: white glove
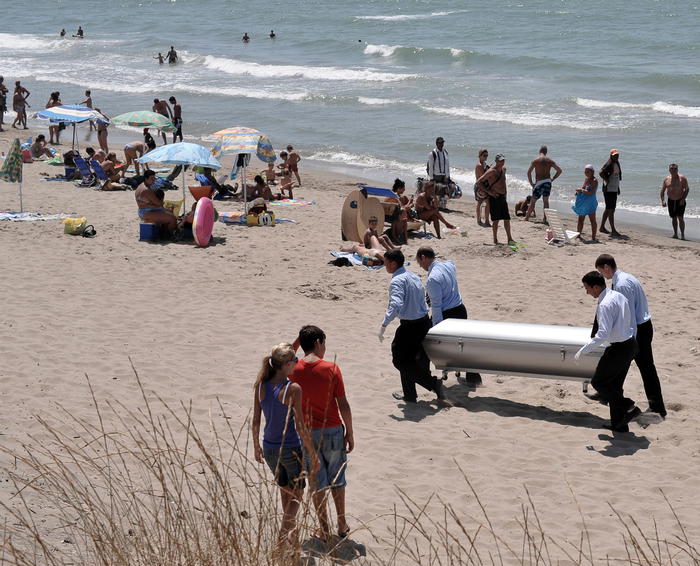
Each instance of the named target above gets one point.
<point>577,355</point>
<point>380,334</point>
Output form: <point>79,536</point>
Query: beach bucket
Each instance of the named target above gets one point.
<point>74,226</point>
<point>148,231</point>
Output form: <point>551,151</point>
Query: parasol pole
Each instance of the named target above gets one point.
<point>183,190</point>
<point>245,189</point>
<point>21,206</point>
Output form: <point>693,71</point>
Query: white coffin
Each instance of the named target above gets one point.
<point>511,348</point>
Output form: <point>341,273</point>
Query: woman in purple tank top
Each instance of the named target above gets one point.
<point>280,401</point>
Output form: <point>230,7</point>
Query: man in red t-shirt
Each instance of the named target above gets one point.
<point>327,414</point>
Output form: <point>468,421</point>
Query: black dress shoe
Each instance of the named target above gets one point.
<point>439,391</point>
<point>632,414</point>
<point>596,397</point>
<point>661,411</point>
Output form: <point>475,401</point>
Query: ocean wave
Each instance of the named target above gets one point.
<point>408,52</point>
<point>660,106</point>
<point>376,101</point>
<point>236,67</point>
<point>403,17</point>
<point>519,119</point>
<point>24,42</point>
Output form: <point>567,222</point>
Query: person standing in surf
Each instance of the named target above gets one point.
<point>171,56</point>
<point>678,189</point>
<point>481,197</point>
<point>542,186</point>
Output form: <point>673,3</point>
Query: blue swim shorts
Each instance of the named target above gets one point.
<point>541,189</point>
<point>330,449</point>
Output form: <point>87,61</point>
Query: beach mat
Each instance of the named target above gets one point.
<point>291,202</point>
<point>355,259</point>
<point>238,218</point>
<point>29,216</point>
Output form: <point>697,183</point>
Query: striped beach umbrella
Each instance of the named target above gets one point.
<point>145,119</point>
<point>71,114</point>
<point>11,170</point>
<point>244,140</point>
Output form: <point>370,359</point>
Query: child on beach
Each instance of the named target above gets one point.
<point>373,239</point>
<point>285,431</point>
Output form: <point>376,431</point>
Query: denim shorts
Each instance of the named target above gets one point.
<point>330,449</point>
<point>286,465</point>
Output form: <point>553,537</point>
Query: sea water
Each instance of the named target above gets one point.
<point>365,87</point>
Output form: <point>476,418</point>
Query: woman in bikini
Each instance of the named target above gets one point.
<point>482,199</point>
<point>427,208</point>
<point>55,130</point>
<point>399,222</point>
<point>285,432</point>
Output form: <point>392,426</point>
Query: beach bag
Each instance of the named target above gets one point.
<point>74,226</point>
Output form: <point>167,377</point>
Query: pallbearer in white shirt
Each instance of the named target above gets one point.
<point>614,328</point>
<point>632,289</point>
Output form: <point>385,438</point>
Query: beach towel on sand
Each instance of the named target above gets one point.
<point>355,259</point>
<point>240,218</point>
<point>291,202</point>
<point>29,216</point>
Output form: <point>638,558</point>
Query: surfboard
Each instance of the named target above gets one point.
<point>203,224</point>
<point>348,216</point>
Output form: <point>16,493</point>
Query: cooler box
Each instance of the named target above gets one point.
<point>149,231</point>
<point>511,348</point>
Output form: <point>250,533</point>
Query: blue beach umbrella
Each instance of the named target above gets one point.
<point>72,114</point>
<point>182,153</point>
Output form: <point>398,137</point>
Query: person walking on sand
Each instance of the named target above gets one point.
<point>442,292</point>
<point>611,173</point>
<point>280,400</point>
<point>407,303</point>
<point>20,105</point>
<point>327,414</point>
<point>612,327</point>
<point>439,163</point>
<point>542,185</point>
<point>481,197</point>
<point>177,118</point>
<point>586,202</point>
<point>3,102</point>
<point>678,189</point>
<point>293,159</point>
<point>633,291</point>
<point>171,56</point>
<point>493,182</point>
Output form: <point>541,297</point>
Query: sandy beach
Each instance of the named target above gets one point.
<point>196,322</point>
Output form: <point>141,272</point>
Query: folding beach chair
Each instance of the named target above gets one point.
<point>99,173</point>
<point>88,178</point>
<point>557,227</point>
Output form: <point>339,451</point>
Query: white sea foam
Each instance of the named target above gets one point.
<point>520,119</point>
<point>23,42</point>
<point>457,52</point>
<point>236,67</point>
<point>376,101</point>
<point>402,17</point>
<point>660,106</point>
<point>381,50</point>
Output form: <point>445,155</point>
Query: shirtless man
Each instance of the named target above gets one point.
<point>493,182</point>
<point>3,101</point>
<point>542,186</point>
<point>20,105</point>
<point>293,160</point>
<point>171,55</point>
<point>177,118</point>
<point>373,239</point>
<point>151,206</point>
<point>426,206</point>
<point>161,107</point>
<point>132,151</point>
<point>677,187</point>
<point>88,102</point>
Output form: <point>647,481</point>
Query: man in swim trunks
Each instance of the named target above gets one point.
<point>493,182</point>
<point>177,118</point>
<point>161,107</point>
<point>542,186</point>
<point>151,205</point>
<point>293,160</point>
<point>677,187</point>
<point>171,55</point>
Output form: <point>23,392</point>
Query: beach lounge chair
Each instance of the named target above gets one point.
<point>557,227</point>
<point>99,173</point>
<point>88,177</point>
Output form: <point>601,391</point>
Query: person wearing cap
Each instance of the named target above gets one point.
<point>542,185</point>
<point>439,163</point>
<point>493,182</point>
<point>611,173</point>
<point>678,189</point>
<point>612,328</point>
<point>407,302</point>
<point>586,202</point>
<point>442,292</point>
<point>630,287</point>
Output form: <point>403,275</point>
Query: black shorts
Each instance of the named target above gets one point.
<point>675,208</point>
<point>610,200</point>
<point>499,208</point>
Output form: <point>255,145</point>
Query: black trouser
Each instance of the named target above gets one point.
<point>409,357</point>
<point>609,378</point>
<point>645,363</point>
<point>459,311</point>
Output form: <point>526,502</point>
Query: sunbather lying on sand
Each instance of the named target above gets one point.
<point>361,250</point>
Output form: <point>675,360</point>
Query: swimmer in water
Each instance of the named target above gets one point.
<point>245,38</point>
